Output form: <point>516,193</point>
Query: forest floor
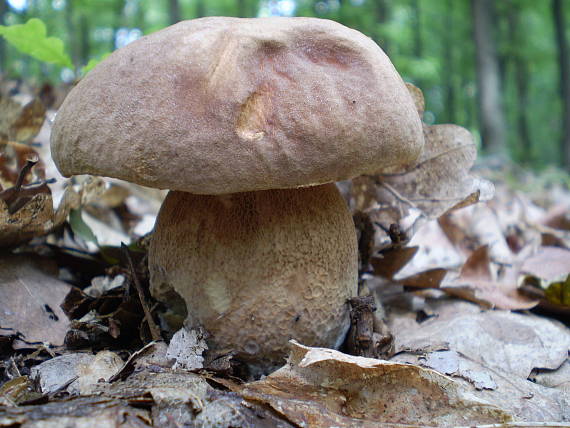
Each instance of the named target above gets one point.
<point>471,325</point>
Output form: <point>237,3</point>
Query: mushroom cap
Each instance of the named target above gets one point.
<point>223,105</point>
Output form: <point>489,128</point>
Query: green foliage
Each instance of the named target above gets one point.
<point>80,228</point>
<point>92,63</point>
<point>31,39</point>
<point>429,41</point>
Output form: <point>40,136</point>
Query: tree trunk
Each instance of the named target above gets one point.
<point>174,11</point>
<point>448,43</point>
<point>521,82</point>
<point>491,117</point>
<point>71,32</point>
<point>382,11</point>
<point>241,9</point>
<point>418,42</point>
<point>564,71</point>
<point>200,9</point>
<point>84,46</point>
<point>119,7</point>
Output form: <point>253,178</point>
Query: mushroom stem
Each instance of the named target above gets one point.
<point>259,268</point>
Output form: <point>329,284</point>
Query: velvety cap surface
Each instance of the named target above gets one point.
<point>225,105</point>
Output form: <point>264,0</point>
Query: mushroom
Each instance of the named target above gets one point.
<point>249,122</point>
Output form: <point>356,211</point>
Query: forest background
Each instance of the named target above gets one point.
<point>500,68</point>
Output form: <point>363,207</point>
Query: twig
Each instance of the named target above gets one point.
<point>129,365</point>
<point>10,194</point>
<point>154,330</point>
<point>394,192</point>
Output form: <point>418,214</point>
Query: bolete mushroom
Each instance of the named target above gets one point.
<point>249,122</point>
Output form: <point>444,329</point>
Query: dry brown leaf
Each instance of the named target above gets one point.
<point>390,261</point>
<point>33,219</point>
<point>418,97</point>
<point>184,399</point>
<point>20,123</point>
<point>324,388</point>
<point>435,251</point>
<point>440,181</point>
<point>550,263</point>
<point>478,265</point>
<point>13,158</point>
<point>81,412</point>
<point>75,373</point>
<point>30,298</point>
<point>451,363</point>
<point>475,226</point>
<point>498,347</point>
<point>557,217</point>
<point>500,340</point>
<point>476,283</point>
<point>431,278</point>
<point>559,378</point>
<point>490,294</point>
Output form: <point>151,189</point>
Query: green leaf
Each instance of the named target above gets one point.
<point>31,39</point>
<point>81,228</point>
<point>92,63</point>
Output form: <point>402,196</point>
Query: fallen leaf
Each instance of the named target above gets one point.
<point>35,218</point>
<point>558,378</point>
<point>440,181</point>
<point>389,262</point>
<point>478,265</point>
<point>30,298</point>
<point>477,284</point>
<point>451,363</point>
<point>17,391</point>
<point>435,251</point>
<point>549,263</point>
<point>418,97</point>
<point>431,278</point>
<point>52,375</point>
<point>80,412</point>
<point>188,400</point>
<point>323,388</point>
<point>20,123</point>
<point>186,348</point>
<point>13,159</point>
<point>103,366</point>
<point>500,340</point>
<point>506,346</point>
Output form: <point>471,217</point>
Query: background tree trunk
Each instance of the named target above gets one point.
<point>564,70</point>
<point>174,11</point>
<point>200,9</point>
<point>491,117</point>
<point>71,31</point>
<point>521,73</point>
<point>119,7</point>
<point>382,11</point>
<point>84,47</point>
<point>418,41</point>
<point>448,39</point>
<point>241,9</point>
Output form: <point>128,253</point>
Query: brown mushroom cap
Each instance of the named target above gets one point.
<point>224,105</point>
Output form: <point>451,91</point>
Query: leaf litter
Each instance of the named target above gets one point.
<point>103,364</point>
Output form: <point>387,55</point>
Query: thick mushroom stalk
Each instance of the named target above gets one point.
<point>259,268</point>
